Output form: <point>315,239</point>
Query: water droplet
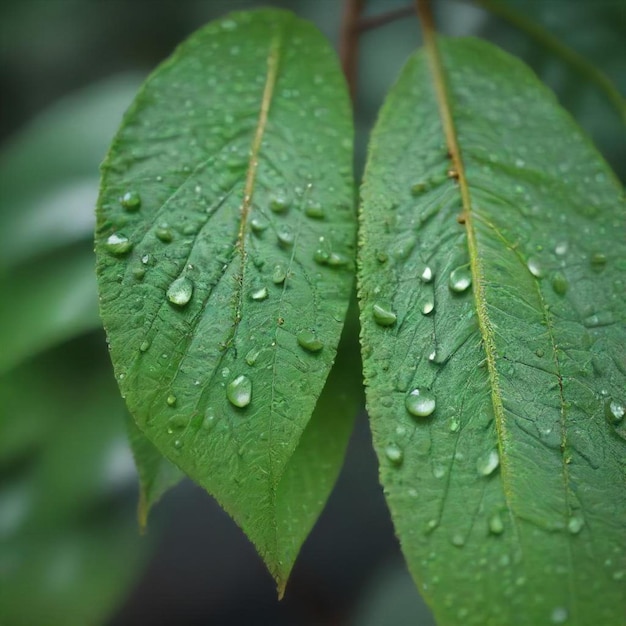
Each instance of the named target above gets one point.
<point>180,291</point>
<point>314,210</point>
<point>458,540</point>
<point>209,419</point>
<point>428,307</point>
<point>337,259</point>
<point>559,615</point>
<point>252,356</point>
<point>285,237</point>
<point>164,234</point>
<point>575,524</point>
<point>598,261</point>
<point>321,256</point>
<point>455,425</point>
<point>279,203</point>
<point>439,471</point>
<point>259,294</point>
<point>420,403</point>
<point>309,340</point>
<point>615,411</point>
<point>561,248</point>
<point>258,224</point>
<point>394,454</point>
<point>144,345</point>
<point>239,391</point>
<point>560,284</point>
<point>534,267</point>
<point>488,463</point>
<point>177,422</point>
<point>171,400</point>
<point>118,244</point>
<point>131,201</point>
<point>139,272</point>
<point>496,526</point>
<point>427,274</point>
<point>145,259</point>
<point>279,274</point>
<point>602,318</point>
<point>383,315</point>
<point>460,279</point>
<point>178,444</point>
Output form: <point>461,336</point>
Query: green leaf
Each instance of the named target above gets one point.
<point>496,395</point>
<point>157,475</point>
<point>46,303</point>
<point>224,241</point>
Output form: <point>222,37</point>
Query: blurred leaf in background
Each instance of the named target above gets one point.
<point>69,547</point>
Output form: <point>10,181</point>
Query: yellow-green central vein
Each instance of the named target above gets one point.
<point>253,163</point>
<point>484,322</point>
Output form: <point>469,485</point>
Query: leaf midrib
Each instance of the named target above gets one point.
<point>484,322</point>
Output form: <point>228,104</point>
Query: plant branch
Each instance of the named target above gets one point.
<point>349,42</point>
<point>369,23</point>
<point>552,43</point>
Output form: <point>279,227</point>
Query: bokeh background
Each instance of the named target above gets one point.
<point>70,552</point>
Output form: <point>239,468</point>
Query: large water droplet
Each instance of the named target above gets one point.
<point>279,203</point>
<point>259,294</point>
<point>534,267</point>
<point>420,403</point>
<point>131,201</point>
<point>427,274</point>
<point>383,315</point>
<point>337,259</point>
<point>171,400</point>
<point>118,244</point>
<point>615,411</point>
<point>180,291</point>
<point>309,340</point>
<point>394,454</point>
<point>314,210</point>
<point>285,237</point>
<point>560,284</point>
<point>239,391</point>
<point>164,234</point>
<point>460,279</point>
<point>258,225</point>
<point>488,463</point>
<point>428,307</point>
<point>279,274</point>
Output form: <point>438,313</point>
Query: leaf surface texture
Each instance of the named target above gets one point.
<point>492,311</point>
<point>225,241</point>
